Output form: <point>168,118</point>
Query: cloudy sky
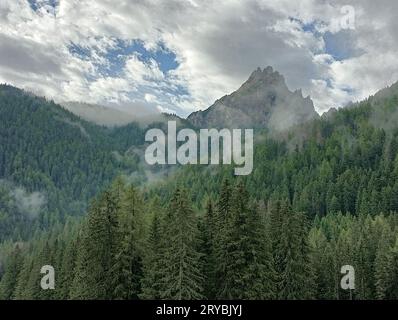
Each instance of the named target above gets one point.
<point>181,55</point>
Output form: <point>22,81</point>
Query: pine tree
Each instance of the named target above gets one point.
<point>207,246</point>
<point>275,224</point>
<point>248,268</point>
<point>365,255</point>
<point>95,257</point>
<point>296,278</point>
<point>181,274</point>
<point>22,291</point>
<point>321,258</point>
<point>58,252</point>
<point>392,290</point>
<point>127,268</point>
<point>386,265</point>
<point>344,255</point>
<point>222,221</point>
<point>290,253</point>
<point>9,279</point>
<point>67,270</point>
<point>33,286</point>
<point>383,264</point>
<point>152,277</point>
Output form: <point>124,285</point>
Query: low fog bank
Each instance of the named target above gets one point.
<point>113,115</point>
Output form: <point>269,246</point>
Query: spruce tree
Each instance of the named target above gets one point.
<point>290,252</point>
<point>181,269</point>
<point>296,278</point>
<point>221,225</point>
<point>152,268</point>
<point>207,246</point>
<point>21,290</point>
<point>67,270</point>
<point>383,264</point>
<point>127,268</point>
<point>321,258</point>
<point>95,258</point>
<point>9,279</point>
<point>33,288</point>
<point>392,290</point>
<point>248,267</point>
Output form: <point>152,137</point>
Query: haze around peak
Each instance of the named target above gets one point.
<point>263,101</point>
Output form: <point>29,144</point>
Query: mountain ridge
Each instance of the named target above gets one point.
<point>262,101</point>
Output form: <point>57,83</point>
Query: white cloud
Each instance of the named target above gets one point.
<point>150,97</point>
<point>141,72</point>
<point>217,45</point>
<point>164,110</point>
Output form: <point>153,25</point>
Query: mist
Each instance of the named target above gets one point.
<point>27,203</point>
<point>114,115</point>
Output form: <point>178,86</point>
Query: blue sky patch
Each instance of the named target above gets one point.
<point>81,52</point>
<point>165,58</point>
<point>307,27</point>
<point>113,62</point>
<point>341,45</point>
<point>116,56</point>
<point>37,4</point>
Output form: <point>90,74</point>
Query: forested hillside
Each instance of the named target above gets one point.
<point>47,151</point>
<point>321,196</point>
<point>237,248</point>
<point>347,162</point>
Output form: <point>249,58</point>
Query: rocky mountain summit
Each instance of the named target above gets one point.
<point>263,101</point>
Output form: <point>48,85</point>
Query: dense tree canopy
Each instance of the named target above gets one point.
<point>320,196</point>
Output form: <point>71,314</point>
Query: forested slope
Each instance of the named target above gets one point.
<point>321,196</point>
<point>48,150</point>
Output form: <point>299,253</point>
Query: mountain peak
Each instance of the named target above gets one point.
<point>263,101</point>
<point>264,73</point>
<point>265,77</point>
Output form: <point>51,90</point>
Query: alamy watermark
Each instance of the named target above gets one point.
<point>48,280</point>
<point>202,150</point>
<point>345,20</point>
<point>348,280</point>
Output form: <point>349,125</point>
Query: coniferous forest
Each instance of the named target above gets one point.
<point>321,196</point>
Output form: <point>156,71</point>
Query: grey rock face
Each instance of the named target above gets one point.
<point>263,101</point>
